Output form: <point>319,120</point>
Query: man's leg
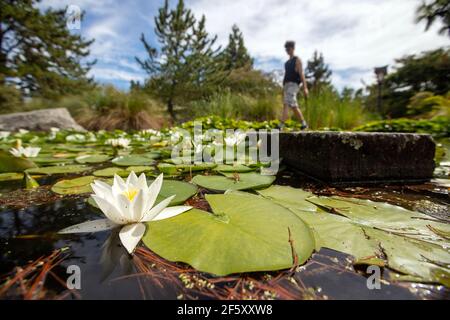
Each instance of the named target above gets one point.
<point>285,115</point>
<point>298,113</point>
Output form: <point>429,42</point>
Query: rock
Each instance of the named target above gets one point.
<point>346,157</point>
<point>39,120</point>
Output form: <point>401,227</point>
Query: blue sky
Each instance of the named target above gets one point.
<point>354,35</point>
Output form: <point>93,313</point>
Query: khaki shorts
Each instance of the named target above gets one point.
<point>290,93</point>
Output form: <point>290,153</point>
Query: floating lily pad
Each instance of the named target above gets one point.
<point>59,169</point>
<point>233,168</point>
<point>241,181</point>
<point>9,163</point>
<point>140,169</point>
<point>132,160</point>
<point>182,191</point>
<point>10,176</point>
<point>51,160</point>
<point>374,233</point>
<point>74,186</point>
<point>110,172</point>
<point>245,234</point>
<point>174,169</point>
<point>97,158</point>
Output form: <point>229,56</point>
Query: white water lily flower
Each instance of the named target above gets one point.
<point>119,143</point>
<point>4,134</point>
<point>28,152</point>
<point>128,204</point>
<point>235,139</point>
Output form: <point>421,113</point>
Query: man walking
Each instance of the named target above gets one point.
<point>293,77</point>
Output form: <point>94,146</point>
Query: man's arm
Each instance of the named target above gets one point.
<point>299,69</point>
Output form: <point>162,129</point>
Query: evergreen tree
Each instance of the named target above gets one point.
<point>38,53</point>
<point>435,10</point>
<point>186,66</point>
<point>236,55</point>
<point>317,73</point>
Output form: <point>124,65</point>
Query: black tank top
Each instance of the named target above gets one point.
<point>290,74</point>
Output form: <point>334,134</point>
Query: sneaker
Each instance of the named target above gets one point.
<point>304,126</point>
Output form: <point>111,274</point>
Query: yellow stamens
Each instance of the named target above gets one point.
<point>131,193</point>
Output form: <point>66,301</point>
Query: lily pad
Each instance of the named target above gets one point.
<point>374,233</point>
<point>140,169</point>
<point>174,169</point>
<point>233,168</point>
<point>9,163</point>
<point>110,172</point>
<point>244,234</point>
<point>10,176</point>
<point>241,181</point>
<point>182,191</point>
<point>59,169</point>
<point>97,158</point>
<point>132,160</point>
<point>74,186</point>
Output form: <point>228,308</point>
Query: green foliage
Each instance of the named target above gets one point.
<point>186,66</point>
<point>10,98</point>
<point>327,109</point>
<point>236,55</point>
<point>38,53</point>
<point>429,71</point>
<point>317,72</point>
<point>238,106</point>
<point>438,127</point>
<point>426,104</point>
<point>432,11</point>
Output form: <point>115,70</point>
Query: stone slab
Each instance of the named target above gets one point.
<point>347,157</point>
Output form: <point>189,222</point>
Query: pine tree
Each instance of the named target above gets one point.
<point>186,65</point>
<point>236,55</point>
<point>317,73</point>
<point>433,11</point>
<point>38,53</point>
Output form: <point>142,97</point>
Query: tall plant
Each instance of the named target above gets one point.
<point>186,64</point>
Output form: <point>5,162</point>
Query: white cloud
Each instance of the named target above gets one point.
<point>352,34</point>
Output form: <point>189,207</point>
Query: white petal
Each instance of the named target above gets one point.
<point>132,179</point>
<point>131,234</point>
<point>90,226</point>
<point>138,205</point>
<point>142,182</point>
<point>154,190</point>
<point>149,216</point>
<point>119,185</point>
<point>171,212</point>
<point>101,189</point>
<point>124,206</point>
<point>109,210</point>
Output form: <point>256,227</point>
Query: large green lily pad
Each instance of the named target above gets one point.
<point>59,169</point>
<point>74,186</point>
<point>9,163</point>
<point>132,160</point>
<point>241,181</point>
<point>245,234</point>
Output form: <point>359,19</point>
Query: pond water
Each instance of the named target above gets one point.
<point>28,234</point>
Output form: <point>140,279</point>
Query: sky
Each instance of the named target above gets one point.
<point>354,35</point>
